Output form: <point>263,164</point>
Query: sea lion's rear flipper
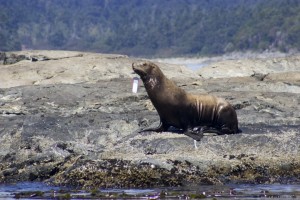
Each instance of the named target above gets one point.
<point>224,130</point>
<point>195,135</point>
<point>206,130</point>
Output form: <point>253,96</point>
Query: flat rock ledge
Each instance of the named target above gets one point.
<point>71,119</point>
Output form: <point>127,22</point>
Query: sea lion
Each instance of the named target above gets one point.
<point>193,114</point>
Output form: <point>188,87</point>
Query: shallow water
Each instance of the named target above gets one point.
<point>29,190</point>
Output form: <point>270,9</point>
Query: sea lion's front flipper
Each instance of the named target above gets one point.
<point>162,127</point>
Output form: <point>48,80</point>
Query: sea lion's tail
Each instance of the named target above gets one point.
<point>239,130</point>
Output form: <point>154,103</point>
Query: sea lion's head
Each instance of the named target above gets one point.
<point>147,71</point>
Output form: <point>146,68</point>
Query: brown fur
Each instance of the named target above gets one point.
<point>194,114</point>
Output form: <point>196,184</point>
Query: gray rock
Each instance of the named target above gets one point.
<point>2,58</point>
<point>12,58</point>
<point>85,134</point>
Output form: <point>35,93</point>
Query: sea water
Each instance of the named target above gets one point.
<point>243,192</point>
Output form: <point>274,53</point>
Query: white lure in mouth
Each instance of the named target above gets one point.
<point>135,84</point>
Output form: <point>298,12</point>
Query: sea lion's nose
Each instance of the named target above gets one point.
<point>134,66</point>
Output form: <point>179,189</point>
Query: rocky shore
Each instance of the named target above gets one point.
<point>70,118</point>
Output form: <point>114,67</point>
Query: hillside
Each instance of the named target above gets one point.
<point>151,28</point>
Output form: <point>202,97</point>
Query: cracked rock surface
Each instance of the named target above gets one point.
<point>72,119</point>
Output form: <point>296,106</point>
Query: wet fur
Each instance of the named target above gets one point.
<point>194,114</point>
